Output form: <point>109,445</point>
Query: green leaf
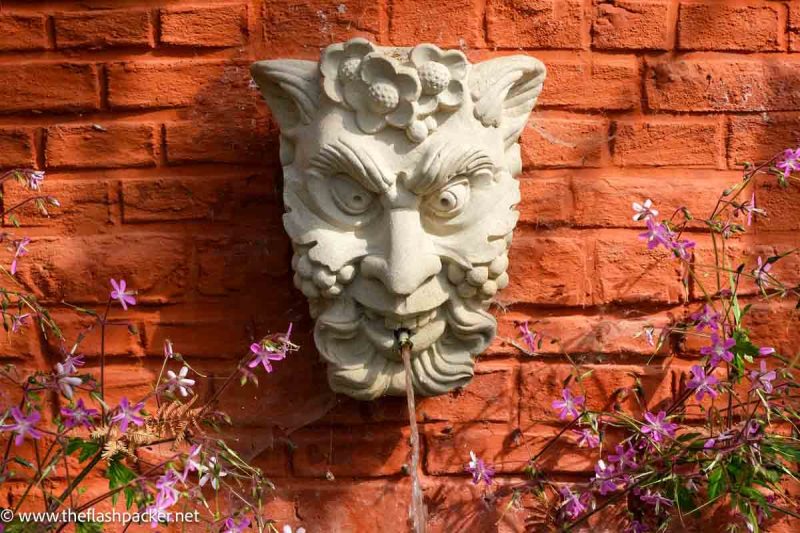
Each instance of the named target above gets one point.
<point>90,449</point>
<point>118,475</point>
<point>24,462</point>
<point>88,527</point>
<point>716,483</point>
<point>130,496</point>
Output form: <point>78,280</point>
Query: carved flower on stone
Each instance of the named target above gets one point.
<point>340,65</point>
<point>441,75</point>
<point>387,93</point>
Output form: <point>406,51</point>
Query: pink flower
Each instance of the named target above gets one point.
<point>233,526</point>
<point>702,383</point>
<point>656,234</point>
<point>762,380</point>
<point>587,437</point>
<point>790,162</point>
<point>625,457</point>
<point>529,337</point>
<point>765,351</point>
<point>761,273</point>
<point>708,317</point>
<point>79,415</point>
<point>19,321</point>
<point>656,499</point>
<point>128,414</point>
<point>120,293</point>
<point>23,425</point>
<point>719,350</point>
<point>180,382</point>
<point>271,349</point>
<point>644,210</point>
<point>574,504</point>
<point>35,179</point>
<point>657,426</point>
<point>568,405</point>
<point>65,380</point>
<point>682,247</point>
<point>72,362</point>
<point>480,471</point>
<point>21,250</point>
<point>604,478</point>
<point>749,209</point>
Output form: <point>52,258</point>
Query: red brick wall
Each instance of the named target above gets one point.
<point>166,164</point>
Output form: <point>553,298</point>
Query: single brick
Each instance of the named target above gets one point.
<point>223,142</point>
<point>668,142</point>
<point>740,84</point>
<point>536,24</point>
<point>48,86</point>
<point>752,26</point>
<point>696,190</point>
<point>537,266</point>
<point>631,25</point>
<point>290,26</point>
<point>201,26</point>
<point>794,26</point>
<point>575,84</point>
<point>17,147</point>
<point>626,271</point>
<point>574,141</point>
<point>84,205</point>
<point>230,266</point>
<point>546,200</point>
<point>607,388</point>
<point>170,199</point>
<point>759,137</point>
<point>167,83</point>
<point>100,146</point>
<point>448,23</point>
<point>350,451</point>
<point>22,32</point>
<point>100,29</point>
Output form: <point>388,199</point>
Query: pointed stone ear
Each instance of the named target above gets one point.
<point>505,90</point>
<point>291,89</point>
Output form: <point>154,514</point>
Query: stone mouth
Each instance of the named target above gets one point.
<point>393,321</point>
<point>424,328</point>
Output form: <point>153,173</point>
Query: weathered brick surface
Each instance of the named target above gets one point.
<point>631,24</point>
<point>573,84</point>
<point>17,147</point>
<point>201,26</point>
<point>27,87</point>
<point>537,24</point>
<point>100,29</point>
<point>166,163</point>
<point>747,26</point>
<point>732,83</point>
<point>94,145</point>
<point>22,32</point>
<point>668,143</point>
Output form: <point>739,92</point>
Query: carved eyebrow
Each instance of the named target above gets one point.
<point>340,157</point>
<point>444,162</point>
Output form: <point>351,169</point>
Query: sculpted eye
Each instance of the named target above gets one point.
<point>349,196</point>
<point>451,200</point>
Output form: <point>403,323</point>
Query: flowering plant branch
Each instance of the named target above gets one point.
<point>200,471</point>
<point>669,465</point>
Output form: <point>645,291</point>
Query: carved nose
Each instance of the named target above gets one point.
<point>409,259</point>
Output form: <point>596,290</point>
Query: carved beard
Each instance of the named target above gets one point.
<point>359,346</point>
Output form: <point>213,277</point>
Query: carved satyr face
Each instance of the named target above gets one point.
<point>400,192</point>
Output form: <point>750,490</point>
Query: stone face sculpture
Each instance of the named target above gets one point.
<point>400,192</point>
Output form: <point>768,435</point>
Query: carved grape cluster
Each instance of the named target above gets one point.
<point>315,280</point>
<point>481,281</point>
